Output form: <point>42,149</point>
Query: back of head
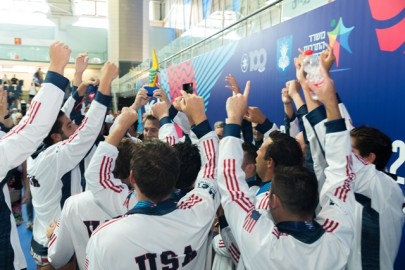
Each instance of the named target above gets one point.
<point>190,164</point>
<point>123,161</point>
<point>219,124</point>
<point>297,189</point>
<point>56,128</point>
<point>155,167</point>
<point>371,140</point>
<point>284,150</point>
<point>250,152</point>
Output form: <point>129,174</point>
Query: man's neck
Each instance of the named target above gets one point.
<point>142,197</point>
<point>294,218</point>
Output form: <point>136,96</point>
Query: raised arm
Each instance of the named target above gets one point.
<point>73,149</point>
<point>181,119</point>
<point>336,197</point>
<point>314,121</point>
<point>23,139</point>
<point>264,125</point>
<point>109,192</point>
<point>246,223</point>
<point>81,63</point>
<point>300,74</point>
<point>290,118</point>
<point>167,131</point>
<point>205,185</point>
<point>233,84</point>
<point>140,100</point>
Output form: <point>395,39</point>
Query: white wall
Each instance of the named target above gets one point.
<point>69,72</point>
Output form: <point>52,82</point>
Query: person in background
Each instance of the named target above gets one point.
<point>54,170</point>
<point>14,80</point>
<point>22,140</point>
<point>38,77</point>
<point>33,91</point>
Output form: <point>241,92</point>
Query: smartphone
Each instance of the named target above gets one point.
<point>188,87</point>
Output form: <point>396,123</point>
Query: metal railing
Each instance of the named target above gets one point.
<point>41,54</point>
<point>190,47</point>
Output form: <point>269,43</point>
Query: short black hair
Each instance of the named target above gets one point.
<point>56,128</point>
<point>284,150</point>
<point>155,167</point>
<point>123,162</point>
<point>190,164</point>
<point>250,152</point>
<point>297,188</point>
<point>371,140</point>
<point>151,118</point>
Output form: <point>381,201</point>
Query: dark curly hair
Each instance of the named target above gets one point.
<point>284,150</point>
<point>155,167</point>
<point>190,164</point>
<point>371,140</point>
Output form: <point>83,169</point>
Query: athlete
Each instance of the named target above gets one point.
<point>49,169</point>
<point>22,140</point>
<point>279,149</point>
<point>378,210</point>
<point>158,232</point>
<point>77,222</point>
<point>292,232</point>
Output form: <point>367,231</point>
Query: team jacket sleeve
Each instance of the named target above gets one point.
<point>251,230</point>
<point>180,119</point>
<point>229,241</point>
<point>293,126</point>
<point>67,107</point>
<point>73,107</point>
<point>314,123</point>
<point>208,146</point>
<point>60,247</point>
<point>266,127</point>
<point>167,131</point>
<point>345,114</point>
<point>73,149</point>
<point>204,199</point>
<point>219,246</point>
<point>336,197</point>
<point>23,139</point>
<point>222,259</point>
<point>109,192</point>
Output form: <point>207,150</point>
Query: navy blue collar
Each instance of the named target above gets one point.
<point>253,181</point>
<point>263,188</point>
<point>307,232</point>
<point>154,209</point>
<point>42,147</point>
